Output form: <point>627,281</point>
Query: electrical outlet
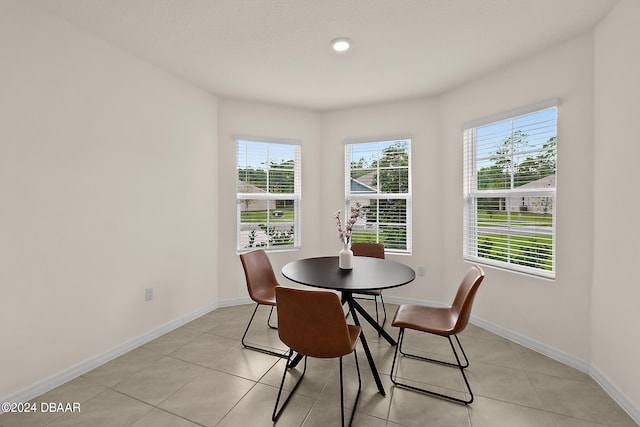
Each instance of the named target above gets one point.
<point>421,271</point>
<point>148,294</point>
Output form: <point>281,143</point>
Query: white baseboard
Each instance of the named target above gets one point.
<point>582,365</point>
<point>75,371</point>
<point>616,394</point>
<point>235,301</point>
<point>537,346</point>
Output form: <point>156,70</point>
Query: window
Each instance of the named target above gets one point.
<point>510,190</point>
<point>268,194</point>
<point>378,178</point>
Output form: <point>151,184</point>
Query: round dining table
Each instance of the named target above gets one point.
<point>367,274</point>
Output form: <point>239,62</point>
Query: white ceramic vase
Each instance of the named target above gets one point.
<point>345,258</point>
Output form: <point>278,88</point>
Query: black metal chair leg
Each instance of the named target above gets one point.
<point>276,411</point>
<point>260,349</point>
<point>384,310</point>
<point>269,319</point>
<point>375,302</point>
<point>355,404</point>
<point>342,396</point>
<point>441,362</point>
<point>466,365</point>
<point>395,381</point>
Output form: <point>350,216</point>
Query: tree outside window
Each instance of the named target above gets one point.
<point>378,179</point>
<point>510,189</point>
<point>268,194</point>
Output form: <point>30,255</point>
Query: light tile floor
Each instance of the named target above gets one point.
<point>200,375</point>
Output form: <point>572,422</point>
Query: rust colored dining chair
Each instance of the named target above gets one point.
<point>261,284</point>
<point>373,250</point>
<point>312,323</point>
<point>443,321</point>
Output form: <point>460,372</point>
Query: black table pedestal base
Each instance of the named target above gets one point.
<point>353,307</point>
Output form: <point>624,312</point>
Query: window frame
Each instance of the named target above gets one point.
<point>406,196</point>
<point>268,196</point>
<point>472,195</point>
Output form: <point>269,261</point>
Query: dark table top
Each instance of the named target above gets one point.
<point>368,274</point>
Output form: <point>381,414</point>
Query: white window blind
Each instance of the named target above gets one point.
<point>378,179</point>
<point>510,191</point>
<point>268,195</point>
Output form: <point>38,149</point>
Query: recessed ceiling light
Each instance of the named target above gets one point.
<point>341,44</point>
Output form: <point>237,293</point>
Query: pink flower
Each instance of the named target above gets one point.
<point>344,234</point>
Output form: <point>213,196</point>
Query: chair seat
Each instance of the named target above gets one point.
<point>374,292</point>
<point>265,296</point>
<point>354,333</point>
<point>435,320</point>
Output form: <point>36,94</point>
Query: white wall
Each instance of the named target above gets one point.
<point>616,282</point>
<point>108,184</point>
<point>556,313</point>
<point>420,120</point>
<point>267,121</point>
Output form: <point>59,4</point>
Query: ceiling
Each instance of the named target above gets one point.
<point>277,51</point>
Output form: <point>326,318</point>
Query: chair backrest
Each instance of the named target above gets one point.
<point>261,280</point>
<point>463,301</point>
<point>312,323</point>
<point>373,250</point>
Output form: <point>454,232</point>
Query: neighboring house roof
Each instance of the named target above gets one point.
<point>358,187</point>
<point>367,179</point>
<point>364,184</point>
<point>244,187</point>
<point>547,181</point>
